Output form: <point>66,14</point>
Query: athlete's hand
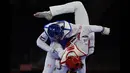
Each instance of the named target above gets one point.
<point>58,65</point>
<point>106,31</point>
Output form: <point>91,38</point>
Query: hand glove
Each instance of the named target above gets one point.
<point>106,31</point>
<point>58,65</point>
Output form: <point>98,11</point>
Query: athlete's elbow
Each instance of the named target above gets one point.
<point>38,42</point>
<point>79,3</point>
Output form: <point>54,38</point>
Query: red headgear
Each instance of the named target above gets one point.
<point>74,63</point>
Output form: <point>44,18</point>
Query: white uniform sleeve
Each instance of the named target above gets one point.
<point>95,28</point>
<point>41,42</point>
<point>86,30</point>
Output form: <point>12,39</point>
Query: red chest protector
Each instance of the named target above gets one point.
<point>73,62</point>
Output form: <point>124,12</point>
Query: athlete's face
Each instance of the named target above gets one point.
<point>56,38</point>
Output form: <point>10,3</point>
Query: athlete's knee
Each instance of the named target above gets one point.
<point>79,3</point>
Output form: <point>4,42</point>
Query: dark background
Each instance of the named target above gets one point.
<point>26,28</point>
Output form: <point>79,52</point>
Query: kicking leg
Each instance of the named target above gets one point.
<point>76,7</point>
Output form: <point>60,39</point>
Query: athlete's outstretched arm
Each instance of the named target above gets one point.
<point>86,30</point>
<point>41,42</point>
<point>95,28</point>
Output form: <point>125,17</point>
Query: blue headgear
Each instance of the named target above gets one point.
<point>55,31</point>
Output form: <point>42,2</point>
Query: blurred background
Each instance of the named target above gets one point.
<point>27,57</point>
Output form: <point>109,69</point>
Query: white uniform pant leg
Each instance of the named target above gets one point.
<point>49,64</point>
<point>76,7</point>
<point>83,70</point>
<point>81,15</point>
<point>81,18</point>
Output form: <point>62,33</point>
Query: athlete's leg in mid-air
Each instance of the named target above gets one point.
<point>76,7</point>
